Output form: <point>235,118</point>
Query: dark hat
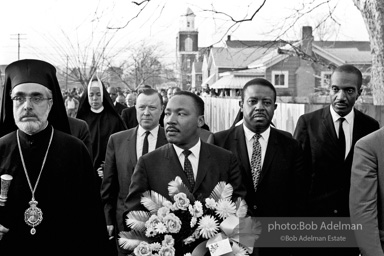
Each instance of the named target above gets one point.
<point>32,71</point>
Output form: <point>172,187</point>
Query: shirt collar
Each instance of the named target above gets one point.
<point>349,117</point>
<point>195,149</point>
<point>141,131</point>
<point>249,134</point>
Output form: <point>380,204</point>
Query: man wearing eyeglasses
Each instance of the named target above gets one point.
<point>53,194</point>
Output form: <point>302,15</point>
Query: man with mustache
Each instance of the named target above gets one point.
<point>123,150</point>
<point>328,137</point>
<point>53,200</point>
<point>184,114</point>
<point>271,161</point>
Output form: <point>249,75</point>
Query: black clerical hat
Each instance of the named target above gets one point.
<point>32,71</point>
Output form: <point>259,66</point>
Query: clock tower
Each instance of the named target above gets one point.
<point>186,48</point>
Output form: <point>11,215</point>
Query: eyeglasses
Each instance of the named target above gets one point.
<point>37,100</point>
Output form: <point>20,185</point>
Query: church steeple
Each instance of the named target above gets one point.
<point>187,21</point>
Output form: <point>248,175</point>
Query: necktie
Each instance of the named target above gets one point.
<point>188,168</point>
<point>341,135</point>
<point>256,160</point>
<point>145,143</point>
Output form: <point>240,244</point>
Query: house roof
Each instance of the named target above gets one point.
<point>237,57</point>
<point>252,44</point>
<point>233,81</point>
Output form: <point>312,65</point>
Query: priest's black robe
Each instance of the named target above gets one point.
<point>73,221</point>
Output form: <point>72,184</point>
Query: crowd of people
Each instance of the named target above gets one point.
<point>84,160</point>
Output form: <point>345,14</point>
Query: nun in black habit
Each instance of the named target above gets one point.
<point>97,109</point>
<point>53,204</point>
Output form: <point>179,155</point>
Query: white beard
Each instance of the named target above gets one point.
<point>32,127</point>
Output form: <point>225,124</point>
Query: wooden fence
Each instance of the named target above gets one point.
<point>221,112</point>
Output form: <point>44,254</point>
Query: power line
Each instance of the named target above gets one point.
<point>18,43</point>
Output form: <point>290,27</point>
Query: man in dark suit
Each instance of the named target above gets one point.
<point>123,150</point>
<point>328,143</point>
<point>129,117</point>
<point>275,185</point>
<point>279,191</point>
<point>79,129</point>
<point>112,91</point>
<point>184,114</point>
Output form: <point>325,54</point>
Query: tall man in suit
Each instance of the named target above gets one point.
<point>278,190</point>
<point>123,150</point>
<point>366,193</point>
<point>327,137</point>
<point>184,114</point>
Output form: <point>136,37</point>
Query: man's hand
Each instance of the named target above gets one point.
<point>3,230</point>
<point>100,170</point>
<point>110,231</point>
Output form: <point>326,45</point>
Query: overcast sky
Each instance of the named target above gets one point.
<point>47,28</point>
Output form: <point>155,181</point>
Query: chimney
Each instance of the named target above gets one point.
<point>228,37</point>
<point>307,39</point>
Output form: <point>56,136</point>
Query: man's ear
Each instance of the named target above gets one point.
<point>200,121</point>
<point>241,105</point>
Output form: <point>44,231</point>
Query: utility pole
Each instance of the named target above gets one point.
<point>18,43</point>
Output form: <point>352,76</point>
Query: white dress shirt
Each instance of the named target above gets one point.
<point>263,142</point>
<point>347,127</point>
<point>152,139</point>
<point>193,157</point>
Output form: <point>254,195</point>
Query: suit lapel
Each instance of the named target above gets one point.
<point>161,139</point>
<point>328,125</point>
<point>242,149</point>
<point>270,153</point>
<point>132,147</point>
<point>358,130</point>
<point>203,167</point>
<point>175,165</point>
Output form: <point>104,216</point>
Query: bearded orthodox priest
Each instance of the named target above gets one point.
<point>52,206</point>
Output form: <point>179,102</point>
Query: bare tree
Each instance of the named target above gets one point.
<point>373,15</point>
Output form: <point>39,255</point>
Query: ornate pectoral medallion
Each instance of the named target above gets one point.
<point>33,216</point>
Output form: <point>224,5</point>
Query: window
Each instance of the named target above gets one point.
<point>188,44</point>
<point>326,79</point>
<point>280,79</point>
<point>188,24</point>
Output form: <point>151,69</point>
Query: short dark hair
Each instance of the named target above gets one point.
<point>199,103</point>
<point>259,81</point>
<point>348,68</point>
<point>150,91</point>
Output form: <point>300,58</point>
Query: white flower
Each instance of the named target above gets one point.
<point>181,201</point>
<point>150,232</point>
<point>188,254</point>
<point>161,228</point>
<point>225,208</point>
<point>189,240</point>
<point>193,222</point>
<point>208,226</point>
<point>239,250</point>
<point>167,204</point>
<point>167,251</point>
<point>196,210</point>
<point>143,249</point>
<point>155,246</point>
<point>162,212</point>
<point>172,222</point>
<point>168,241</point>
<point>210,203</point>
